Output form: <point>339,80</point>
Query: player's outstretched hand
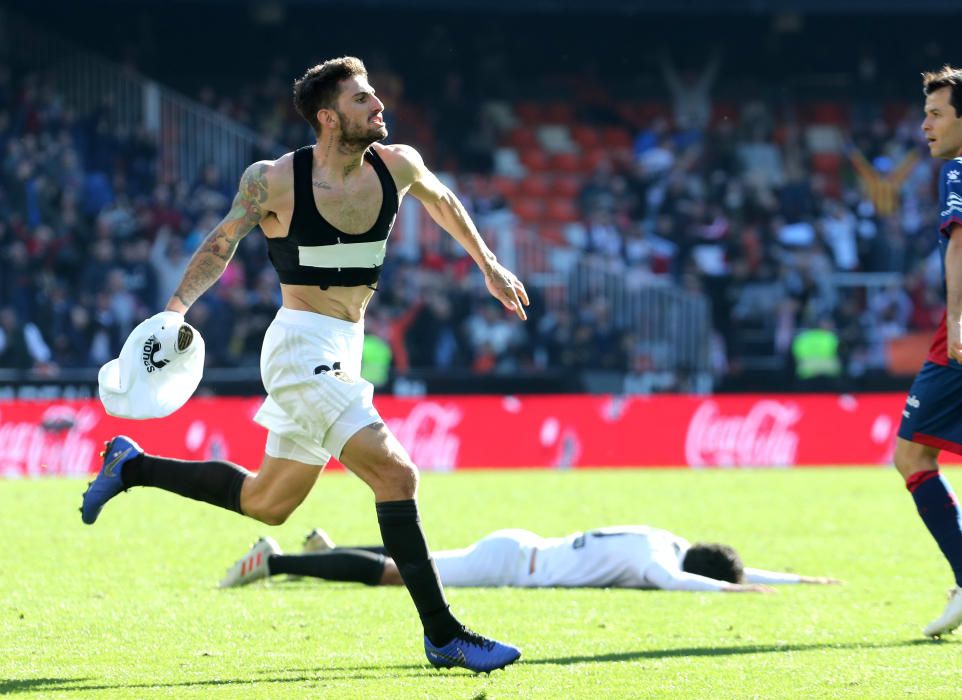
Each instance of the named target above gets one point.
<point>748,588</point>
<point>819,580</point>
<point>507,289</point>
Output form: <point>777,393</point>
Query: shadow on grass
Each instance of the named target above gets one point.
<point>28,685</point>
<point>63,685</point>
<point>724,651</point>
<point>616,657</point>
<point>378,672</point>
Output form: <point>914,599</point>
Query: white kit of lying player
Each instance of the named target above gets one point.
<point>631,556</point>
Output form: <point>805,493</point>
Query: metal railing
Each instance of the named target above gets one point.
<point>189,135</point>
<point>874,283</point>
<point>668,325</point>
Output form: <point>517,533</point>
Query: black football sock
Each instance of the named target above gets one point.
<point>376,549</point>
<point>404,541</point>
<point>217,483</point>
<point>338,565</point>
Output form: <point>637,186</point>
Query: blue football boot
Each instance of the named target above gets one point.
<point>471,651</point>
<point>108,483</point>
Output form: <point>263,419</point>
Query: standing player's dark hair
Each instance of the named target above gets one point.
<point>947,77</point>
<point>319,86</point>
<point>717,561</point>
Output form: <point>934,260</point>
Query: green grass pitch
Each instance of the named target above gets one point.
<point>128,608</point>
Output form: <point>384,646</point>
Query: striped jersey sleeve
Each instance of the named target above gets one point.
<point>950,196</point>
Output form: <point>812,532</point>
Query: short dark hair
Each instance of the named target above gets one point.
<point>947,77</point>
<point>318,88</point>
<point>717,561</point>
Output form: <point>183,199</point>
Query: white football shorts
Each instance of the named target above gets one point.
<point>500,559</point>
<point>316,399</point>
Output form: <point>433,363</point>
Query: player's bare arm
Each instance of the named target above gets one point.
<point>771,578</point>
<point>449,213</point>
<point>819,580</point>
<point>250,206</point>
<point>953,287</point>
<point>747,588</point>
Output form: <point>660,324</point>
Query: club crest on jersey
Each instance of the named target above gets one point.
<point>952,176</point>
<point>185,336</point>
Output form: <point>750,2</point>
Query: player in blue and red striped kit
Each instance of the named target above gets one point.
<point>932,418</point>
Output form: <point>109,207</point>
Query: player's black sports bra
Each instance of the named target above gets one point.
<point>317,254</point>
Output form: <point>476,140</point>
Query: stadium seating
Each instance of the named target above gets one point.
<point>554,163</point>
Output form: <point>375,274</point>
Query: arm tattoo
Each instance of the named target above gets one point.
<point>246,211</point>
<point>203,270</point>
<point>209,262</point>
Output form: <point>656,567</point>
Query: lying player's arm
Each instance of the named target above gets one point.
<point>747,588</point>
<point>776,578</point>
<point>449,213</point>
<point>210,260</point>
<point>953,292</point>
<point>671,579</point>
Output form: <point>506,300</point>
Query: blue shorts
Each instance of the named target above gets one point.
<point>933,410</point>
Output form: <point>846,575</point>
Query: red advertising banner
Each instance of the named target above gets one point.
<point>39,438</point>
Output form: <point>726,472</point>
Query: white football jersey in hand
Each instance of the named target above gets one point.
<point>159,368</point>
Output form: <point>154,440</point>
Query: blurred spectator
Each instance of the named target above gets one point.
<point>816,352</point>
<point>168,260</point>
<point>839,233</point>
<point>434,338</point>
<point>493,335</point>
<point>21,344</point>
<point>210,193</point>
<point>376,355</point>
<point>691,91</point>
<point>881,179</point>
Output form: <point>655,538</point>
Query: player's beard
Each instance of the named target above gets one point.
<point>357,137</point>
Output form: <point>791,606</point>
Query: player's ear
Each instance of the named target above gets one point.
<point>327,117</point>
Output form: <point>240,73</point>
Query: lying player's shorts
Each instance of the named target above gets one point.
<point>500,559</point>
<point>933,410</point>
<point>316,399</point>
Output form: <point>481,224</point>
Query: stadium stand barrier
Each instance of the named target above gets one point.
<point>191,136</point>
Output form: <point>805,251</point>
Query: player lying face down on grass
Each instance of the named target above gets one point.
<point>632,556</point>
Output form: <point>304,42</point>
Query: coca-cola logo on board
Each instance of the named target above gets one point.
<point>59,444</point>
<point>761,437</point>
<point>428,435</point>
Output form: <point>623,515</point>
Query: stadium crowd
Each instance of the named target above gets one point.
<point>755,205</point>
